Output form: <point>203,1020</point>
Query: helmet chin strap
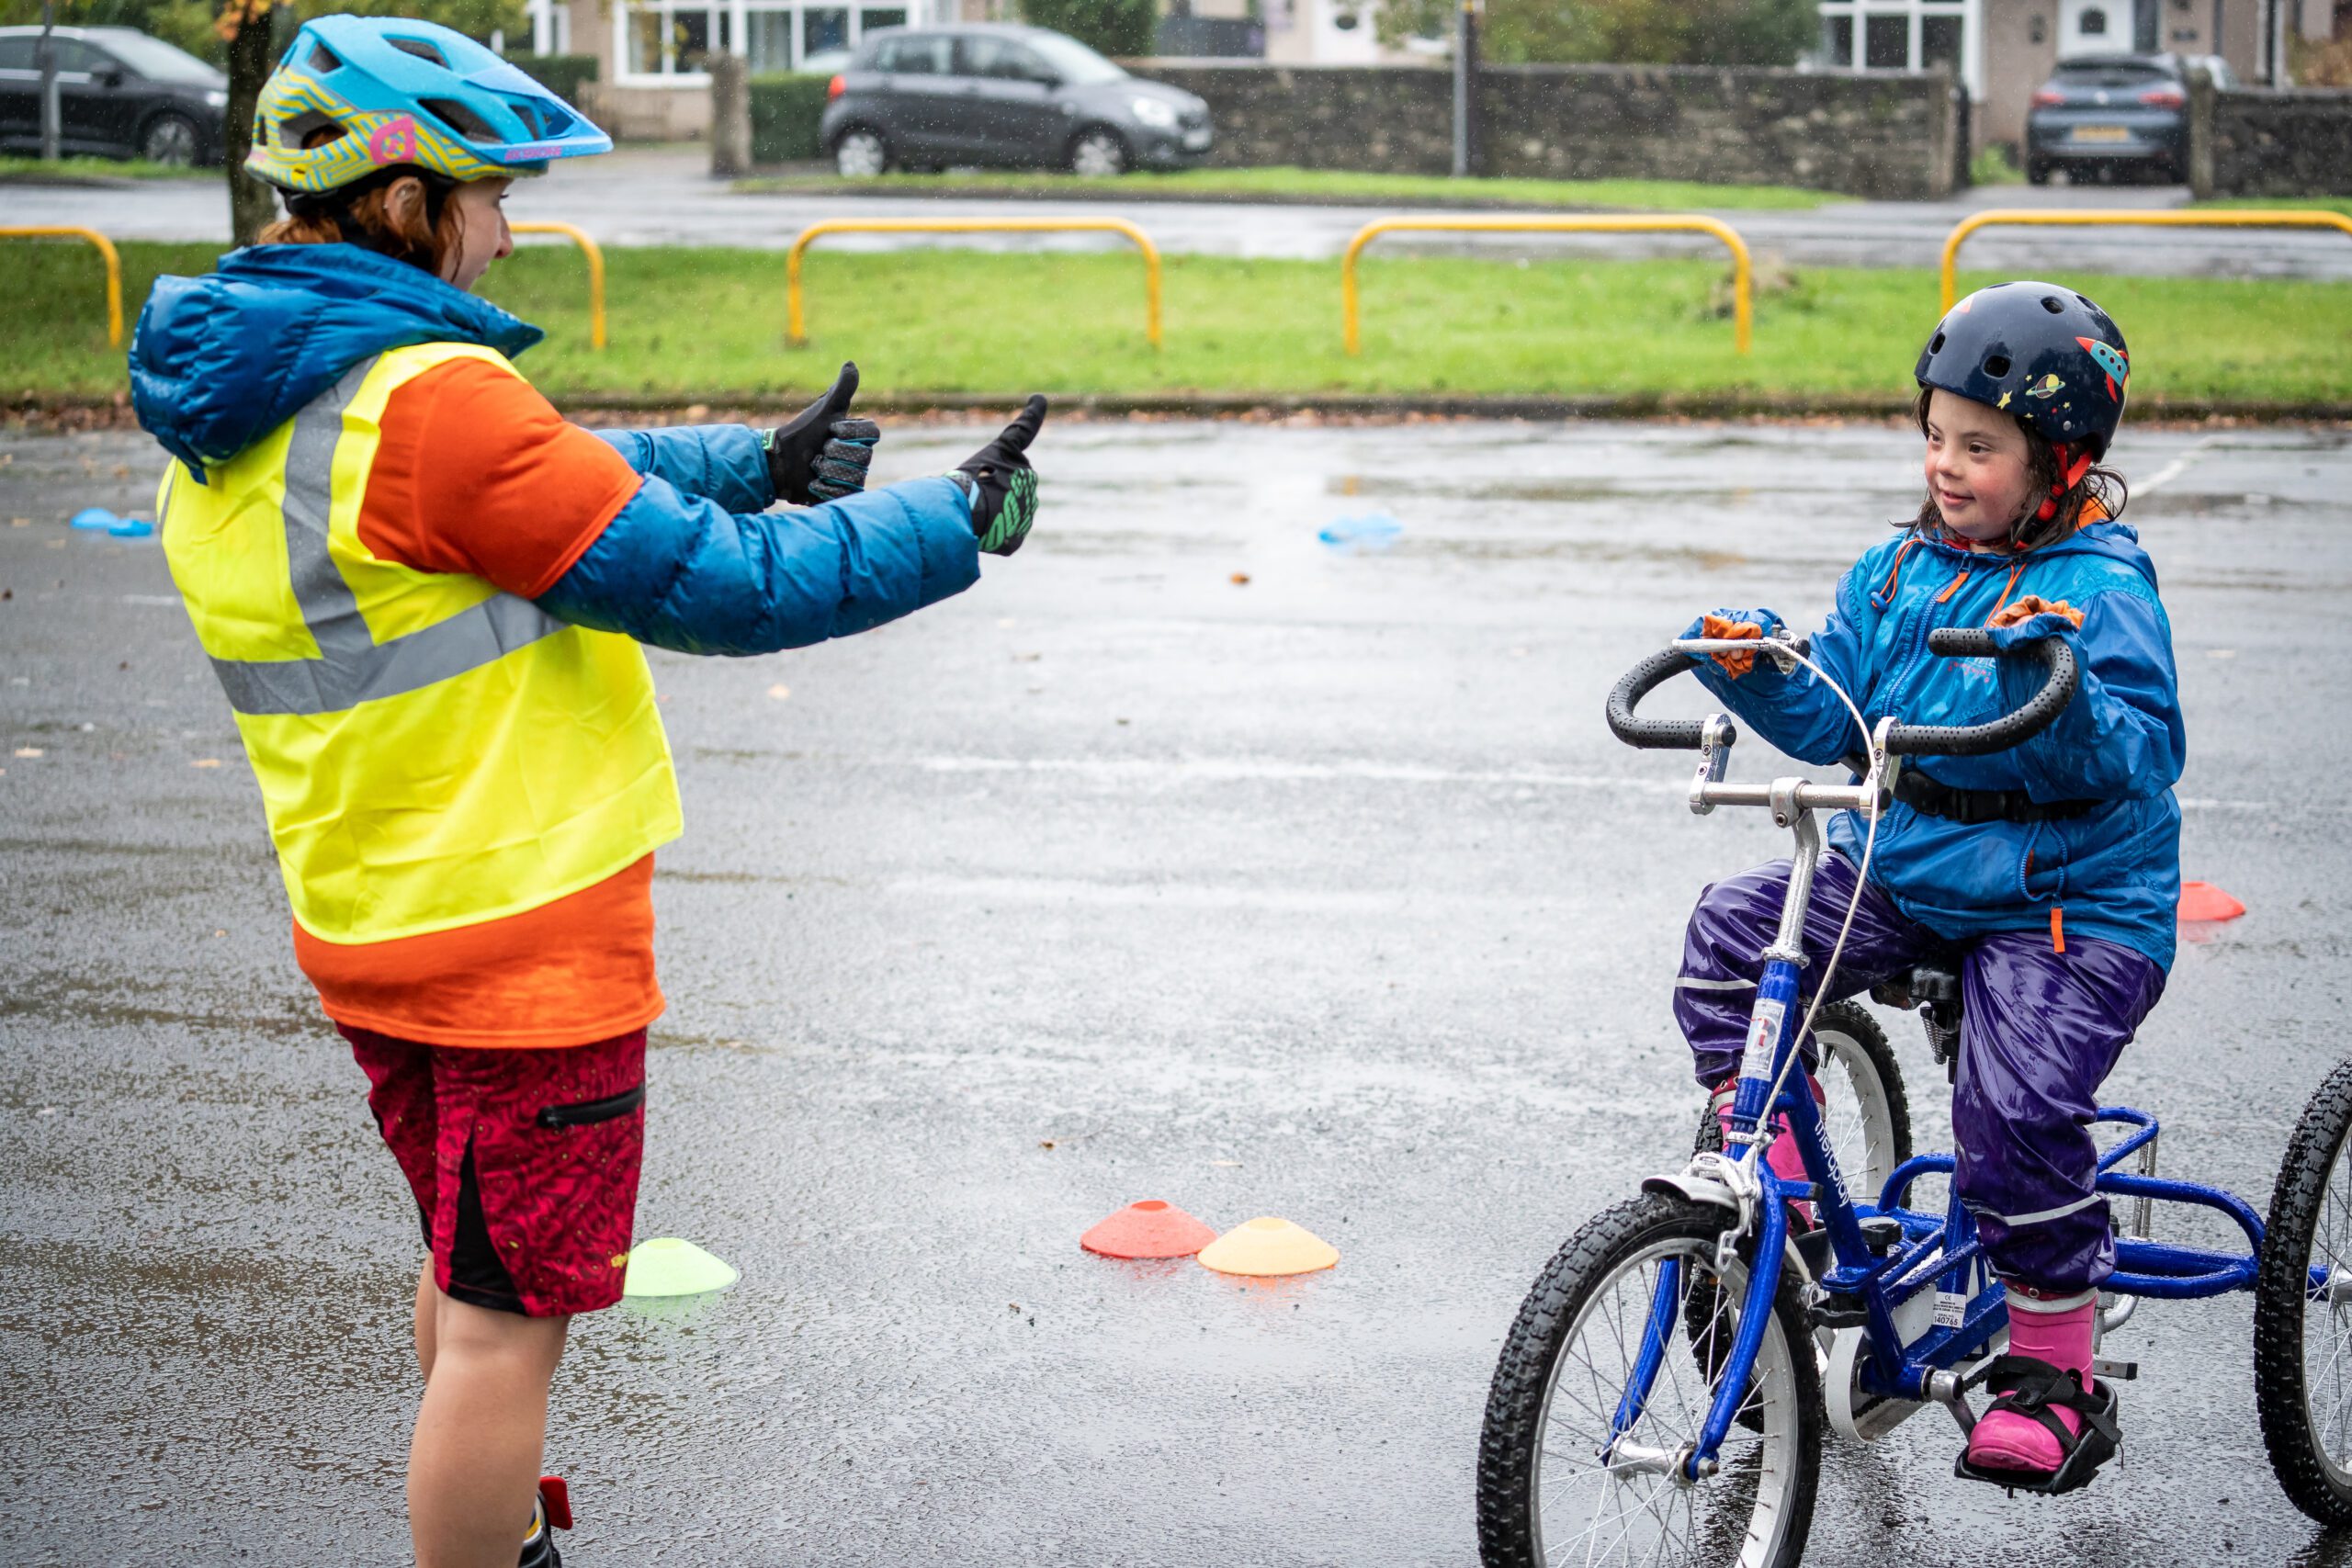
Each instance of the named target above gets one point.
<point>2072,467</point>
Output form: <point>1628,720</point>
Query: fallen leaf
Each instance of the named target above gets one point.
<point>1240,579</point>
<point>779,690</point>
<point>20,522</point>
<point>206,762</point>
<point>28,751</point>
<point>1045,1142</point>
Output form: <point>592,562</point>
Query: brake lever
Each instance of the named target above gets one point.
<point>1717,734</point>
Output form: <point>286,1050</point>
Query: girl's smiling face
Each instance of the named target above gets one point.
<point>1977,471</point>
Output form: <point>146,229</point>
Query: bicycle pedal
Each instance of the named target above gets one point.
<point>2118,1372</point>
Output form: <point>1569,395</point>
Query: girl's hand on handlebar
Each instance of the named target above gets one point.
<point>2030,606</point>
<point>1739,625</point>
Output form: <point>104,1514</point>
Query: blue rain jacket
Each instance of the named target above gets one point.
<point>693,561</point>
<point>2115,870</point>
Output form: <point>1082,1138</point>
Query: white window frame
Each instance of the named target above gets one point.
<point>1971,14</point>
<point>739,16</point>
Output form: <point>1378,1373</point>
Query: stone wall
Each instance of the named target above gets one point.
<point>2257,144</point>
<point>1887,134</point>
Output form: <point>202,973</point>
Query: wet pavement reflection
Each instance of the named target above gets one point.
<point>1187,857</point>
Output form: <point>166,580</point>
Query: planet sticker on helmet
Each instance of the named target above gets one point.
<point>2048,387</point>
<point>2111,360</point>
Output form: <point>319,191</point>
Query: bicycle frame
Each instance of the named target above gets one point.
<point>1887,1287</point>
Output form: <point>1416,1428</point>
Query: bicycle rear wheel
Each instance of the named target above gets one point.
<point>1544,1493</point>
<point>2302,1335</point>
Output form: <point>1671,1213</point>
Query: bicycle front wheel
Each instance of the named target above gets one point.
<point>2303,1330</point>
<point>1573,1369</point>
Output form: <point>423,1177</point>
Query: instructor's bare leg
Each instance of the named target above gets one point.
<point>475,1463</point>
<point>428,1298</point>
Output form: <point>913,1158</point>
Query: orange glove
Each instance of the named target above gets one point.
<point>2024,609</point>
<point>1735,664</point>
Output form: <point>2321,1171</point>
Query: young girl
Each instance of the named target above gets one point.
<point>2050,872</point>
<point>406,569</point>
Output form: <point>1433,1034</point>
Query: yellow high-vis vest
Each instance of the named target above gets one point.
<point>433,752</point>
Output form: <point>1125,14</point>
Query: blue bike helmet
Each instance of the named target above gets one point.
<point>405,95</point>
<point>2039,351</point>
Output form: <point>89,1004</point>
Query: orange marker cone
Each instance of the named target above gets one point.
<point>1266,1247</point>
<point>2203,901</point>
<point>1153,1228</point>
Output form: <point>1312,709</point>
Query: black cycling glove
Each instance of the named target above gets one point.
<point>821,455</point>
<point>1002,485</point>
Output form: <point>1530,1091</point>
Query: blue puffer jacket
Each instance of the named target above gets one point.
<point>693,561</point>
<point>2114,870</point>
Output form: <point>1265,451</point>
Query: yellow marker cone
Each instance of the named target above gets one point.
<point>668,1266</point>
<point>1266,1247</point>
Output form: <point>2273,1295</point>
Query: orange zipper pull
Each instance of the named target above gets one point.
<point>2057,928</point>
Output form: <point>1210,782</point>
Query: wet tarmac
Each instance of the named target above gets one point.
<point>1322,894</point>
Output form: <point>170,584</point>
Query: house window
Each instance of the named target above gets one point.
<point>2094,23</point>
<point>1886,42</point>
<point>658,39</point>
<point>1837,40</point>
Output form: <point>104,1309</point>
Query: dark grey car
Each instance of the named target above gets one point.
<point>2101,115</point>
<point>120,94</point>
<point>1012,96</point>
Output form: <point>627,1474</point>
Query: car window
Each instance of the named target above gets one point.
<point>917,54</point>
<point>17,52</point>
<point>2116,73</point>
<point>1000,59</point>
<point>158,60</point>
<point>1073,62</point>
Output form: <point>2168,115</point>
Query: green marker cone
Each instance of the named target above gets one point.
<point>668,1266</point>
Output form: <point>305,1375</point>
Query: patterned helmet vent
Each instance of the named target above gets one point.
<point>322,59</point>
<point>460,119</point>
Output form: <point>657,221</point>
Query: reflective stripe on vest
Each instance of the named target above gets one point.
<point>432,752</point>
<point>353,667</point>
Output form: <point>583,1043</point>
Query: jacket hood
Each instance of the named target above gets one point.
<point>2118,542</point>
<point>219,361</point>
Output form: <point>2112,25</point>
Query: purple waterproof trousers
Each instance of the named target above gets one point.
<point>2042,1030</point>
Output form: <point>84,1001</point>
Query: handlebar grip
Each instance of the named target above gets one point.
<point>2010,729</point>
<point>1651,734</point>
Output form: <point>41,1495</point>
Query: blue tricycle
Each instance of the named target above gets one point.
<point>1661,1396</point>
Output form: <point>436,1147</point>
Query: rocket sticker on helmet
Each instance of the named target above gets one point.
<point>2111,360</point>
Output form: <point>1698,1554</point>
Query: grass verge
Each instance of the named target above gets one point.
<point>14,169</point>
<point>1331,187</point>
<point>706,326</point>
<point>2292,203</point>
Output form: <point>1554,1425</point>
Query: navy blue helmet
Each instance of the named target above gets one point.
<point>2039,351</point>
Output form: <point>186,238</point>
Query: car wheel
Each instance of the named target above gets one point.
<point>1099,151</point>
<point>859,154</point>
<point>2037,173</point>
<point>169,138</point>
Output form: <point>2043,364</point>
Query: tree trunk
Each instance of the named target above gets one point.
<point>251,205</point>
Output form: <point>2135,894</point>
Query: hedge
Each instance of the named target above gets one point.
<point>558,74</point>
<point>785,107</point>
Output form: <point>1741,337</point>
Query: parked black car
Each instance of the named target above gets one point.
<point>2101,115</point>
<point>1022,97</point>
<point>120,94</point>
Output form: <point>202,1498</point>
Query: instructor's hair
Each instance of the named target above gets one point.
<point>2099,483</point>
<point>361,214</point>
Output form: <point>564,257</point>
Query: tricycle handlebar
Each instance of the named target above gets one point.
<point>1904,739</point>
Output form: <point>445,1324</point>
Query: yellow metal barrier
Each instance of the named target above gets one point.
<point>1743,304</point>
<point>797,326</point>
<point>106,251</point>
<point>2026,216</point>
<point>595,255</point>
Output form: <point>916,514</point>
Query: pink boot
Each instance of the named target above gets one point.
<point>2045,1377</point>
<point>1784,1158</point>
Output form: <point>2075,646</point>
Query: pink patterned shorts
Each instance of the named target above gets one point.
<point>524,1164</point>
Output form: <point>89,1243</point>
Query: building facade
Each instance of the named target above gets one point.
<point>2004,50</point>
